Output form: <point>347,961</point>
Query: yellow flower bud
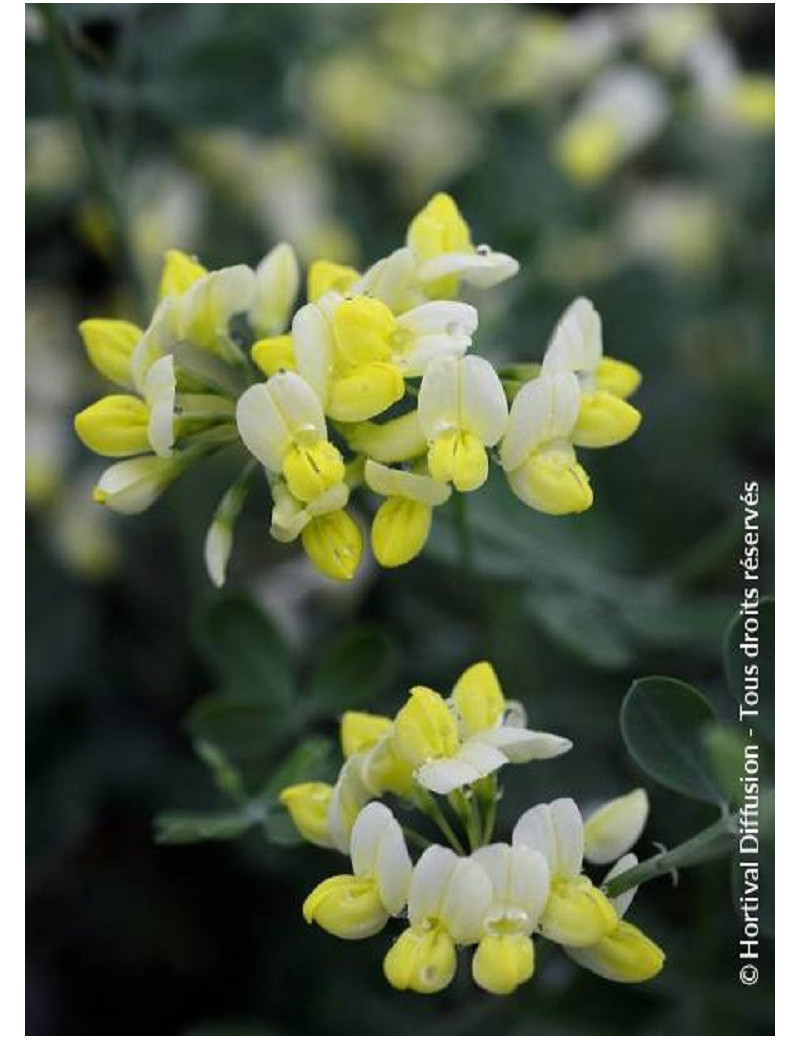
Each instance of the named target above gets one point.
<point>310,470</point>
<point>360,731</point>
<point>422,960</point>
<point>333,543</point>
<point>132,486</point>
<point>439,228</point>
<point>346,906</point>
<point>617,377</point>
<point>503,962</point>
<point>589,150</point>
<point>626,955</point>
<point>386,770</point>
<point>577,913</point>
<point>604,420</point>
<point>115,426</point>
<point>459,457</point>
<point>615,827</point>
<point>425,728</point>
<point>179,273</point>
<point>397,440</point>
<point>109,345</point>
<point>308,807</point>
<point>400,529</point>
<point>274,354</point>
<point>362,328</point>
<point>323,275</point>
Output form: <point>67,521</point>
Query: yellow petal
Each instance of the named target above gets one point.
<point>312,470</point>
<point>604,420</point>
<point>400,529</point>
<point>179,273</point>
<point>274,354</point>
<point>577,913</point>
<point>617,377</point>
<point>362,328</point>
<point>360,731</point>
<point>422,960</point>
<point>386,770</point>
<point>308,807</point>
<point>589,150</point>
<point>503,962</point>
<point>115,426</point>
<point>478,699</point>
<point>552,481</point>
<point>347,907</point>
<point>333,543</point>
<point>424,728</point>
<point>439,228</point>
<point>110,345</point>
<point>365,392</point>
<point>323,275</point>
<point>626,955</point>
<point>615,827</point>
<point>458,457</point>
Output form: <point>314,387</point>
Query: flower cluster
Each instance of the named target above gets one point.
<point>368,384</point>
<point>497,896</point>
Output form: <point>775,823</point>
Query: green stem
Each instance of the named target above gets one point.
<point>415,838</point>
<point>467,812</point>
<point>102,177</point>
<point>431,807</point>
<point>714,841</point>
<point>486,790</point>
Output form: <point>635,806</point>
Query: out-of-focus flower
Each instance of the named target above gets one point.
<point>619,116</point>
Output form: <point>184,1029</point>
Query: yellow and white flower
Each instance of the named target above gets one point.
<point>356,353</point>
<point>277,282</point>
<point>448,901</point>
<point>441,243</point>
<point>604,416</point>
<point>282,424</point>
<point>402,523</point>
<point>577,913</point>
<point>358,905</point>
<point>462,411</point>
<point>451,745</point>
<point>536,451</point>
<point>520,881</point>
<point>626,954</point>
<point>330,536</point>
<point>133,486</point>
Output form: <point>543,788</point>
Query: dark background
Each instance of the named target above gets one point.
<point>126,936</point>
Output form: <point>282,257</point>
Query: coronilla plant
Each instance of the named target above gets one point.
<point>473,891</point>
<point>373,385</point>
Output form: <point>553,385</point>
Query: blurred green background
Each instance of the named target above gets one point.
<point>228,128</point>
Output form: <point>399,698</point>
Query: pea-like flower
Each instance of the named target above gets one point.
<point>462,411</point>
<point>402,523</point>
<point>357,905</point>
<point>447,904</point>
<point>454,745</point>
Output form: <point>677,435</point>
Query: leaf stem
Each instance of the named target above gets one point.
<point>415,838</point>
<point>714,841</point>
<point>101,175</point>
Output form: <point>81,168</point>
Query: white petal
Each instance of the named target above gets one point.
<point>555,830</point>
<point>452,890</point>
<point>330,501</point>
<point>577,341</point>
<point>350,795</point>
<point>399,482</point>
<point>392,280</point>
<point>378,850</point>
<point>520,882</point>
<point>525,745</point>
<point>217,551</point>
<point>262,427</point>
<point>277,285</point>
<point>484,409</point>
<point>313,345</point>
<point>158,339</point>
<point>298,404</point>
<point>545,409</point>
<point>289,516</point>
<point>622,902</point>
<point>482,755</point>
<point>440,316</point>
<point>481,269</point>
<point>159,395</point>
<point>133,485</point>
<point>616,826</point>
<point>438,402</point>
<point>445,775</point>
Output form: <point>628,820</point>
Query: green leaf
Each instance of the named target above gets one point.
<point>352,673</point>
<point>279,828</point>
<point>753,673</point>
<point>227,778</point>
<point>311,760</point>
<point>725,747</point>
<point>184,828</point>
<point>245,730</point>
<point>663,723</point>
<point>588,627</point>
<point>246,650</point>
